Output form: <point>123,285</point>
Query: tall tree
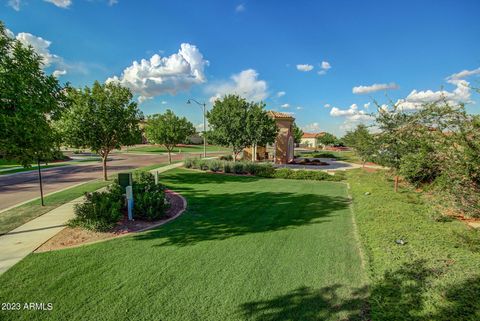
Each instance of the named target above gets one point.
<point>362,142</point>
<point>227,121</point>
<point>260,128</point>
<point>29,101</point>
<point>169,130</point>
<point>101,118</point>
<point>297,133</point>
<point>327,139</point>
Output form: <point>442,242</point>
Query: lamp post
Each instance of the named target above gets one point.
<point>204,105</point>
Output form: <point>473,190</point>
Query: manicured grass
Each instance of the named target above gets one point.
<point>246,249</point>
<point>182,149</point>
<point>17,216</point>
<point>435,275</point>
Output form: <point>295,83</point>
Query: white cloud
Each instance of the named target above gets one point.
<point>61,3</point>
<point>305,67</point>
<point>164,102</point>
<point>454,78</point>
<point>351,115</point>
<point>416,99</point>
<point>162,75</point>
<point>245,84</point>
<point>311,128</point>
<point>112,2</point>
<point>281,94</point>
<point>327,105</point>
<point>58,73</point>
<point>326,65</point>
<point>41,46</point>
<point>9,33</point>
<point>299,107</point>
<point>240,8</point>
<point>374,88</point>
<point>285,106</point>
<point>322,72</point>
<point>15,4</point>
<point>366,105</point>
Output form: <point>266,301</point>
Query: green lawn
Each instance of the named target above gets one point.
<point>5,167</point>
<point>20,215</point>
<point>246,249</point>
<point>182,149</point>
<point>435,275</point>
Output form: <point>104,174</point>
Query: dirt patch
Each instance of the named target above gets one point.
<point>71,237</point>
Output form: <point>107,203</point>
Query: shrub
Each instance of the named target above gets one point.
<point>324,155</point>
<point>238,168</point>
<point>188,163</point>
<point>226,157</point>
<point>148,198</point>
<point>419,168</point>
<point>202,164</point>
<point>100,211</point>
<point>215,165</point>
<point>288,173</point>
<point>250,168</point>
<point>143,177</point>
<point>265,170</point>
<point>227,167</point>
<point>283,173</point>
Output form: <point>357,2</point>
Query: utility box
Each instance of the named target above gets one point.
<point>125,179</point>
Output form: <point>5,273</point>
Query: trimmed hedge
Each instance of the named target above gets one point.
<point>260,169</point>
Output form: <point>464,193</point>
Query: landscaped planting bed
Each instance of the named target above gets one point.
<point>265,170</point>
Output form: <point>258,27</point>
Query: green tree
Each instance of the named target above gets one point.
<point>227,121</point>
<point>362,142</point>
<point>327,139</point>
<point>169,130</point>
<point>101,118</point>
<point>260,128</point>
<point>29,101</point>
<point>297,133</point>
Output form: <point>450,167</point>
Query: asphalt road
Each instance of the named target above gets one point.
<point>24,186</point>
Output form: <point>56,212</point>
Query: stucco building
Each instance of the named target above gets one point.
<point>283,148</point>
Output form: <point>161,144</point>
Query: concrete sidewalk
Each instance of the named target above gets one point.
<point>23,240</point>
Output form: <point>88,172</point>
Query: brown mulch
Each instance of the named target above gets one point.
<point>71,237</point>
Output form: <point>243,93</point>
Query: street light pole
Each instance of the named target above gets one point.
<point>204,105</point>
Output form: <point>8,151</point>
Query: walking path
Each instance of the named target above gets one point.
<point>23,240</point>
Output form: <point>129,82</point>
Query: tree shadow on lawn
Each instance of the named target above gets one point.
<point>221,216</point>
<point>398,295</point>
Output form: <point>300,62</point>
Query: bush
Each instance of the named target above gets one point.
<point>419,168</point>
<point>100,211</point>
<point>148,198</point>
<point>227,167</point>
<point>188,163</point>
<point>215,165</point>
<point>226,157</point>
<point>283,173</point>
<point>238,168</point>
<point>143,177</point>
<point>324,155</point>
<point>265,170</point>
<point>288,173</point>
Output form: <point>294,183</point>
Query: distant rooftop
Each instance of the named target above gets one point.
<point>312,135</point>
<point>276,114</point>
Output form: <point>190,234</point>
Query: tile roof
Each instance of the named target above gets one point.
<point>276,114</point>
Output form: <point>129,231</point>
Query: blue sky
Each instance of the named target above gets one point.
<point>315,52</point>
